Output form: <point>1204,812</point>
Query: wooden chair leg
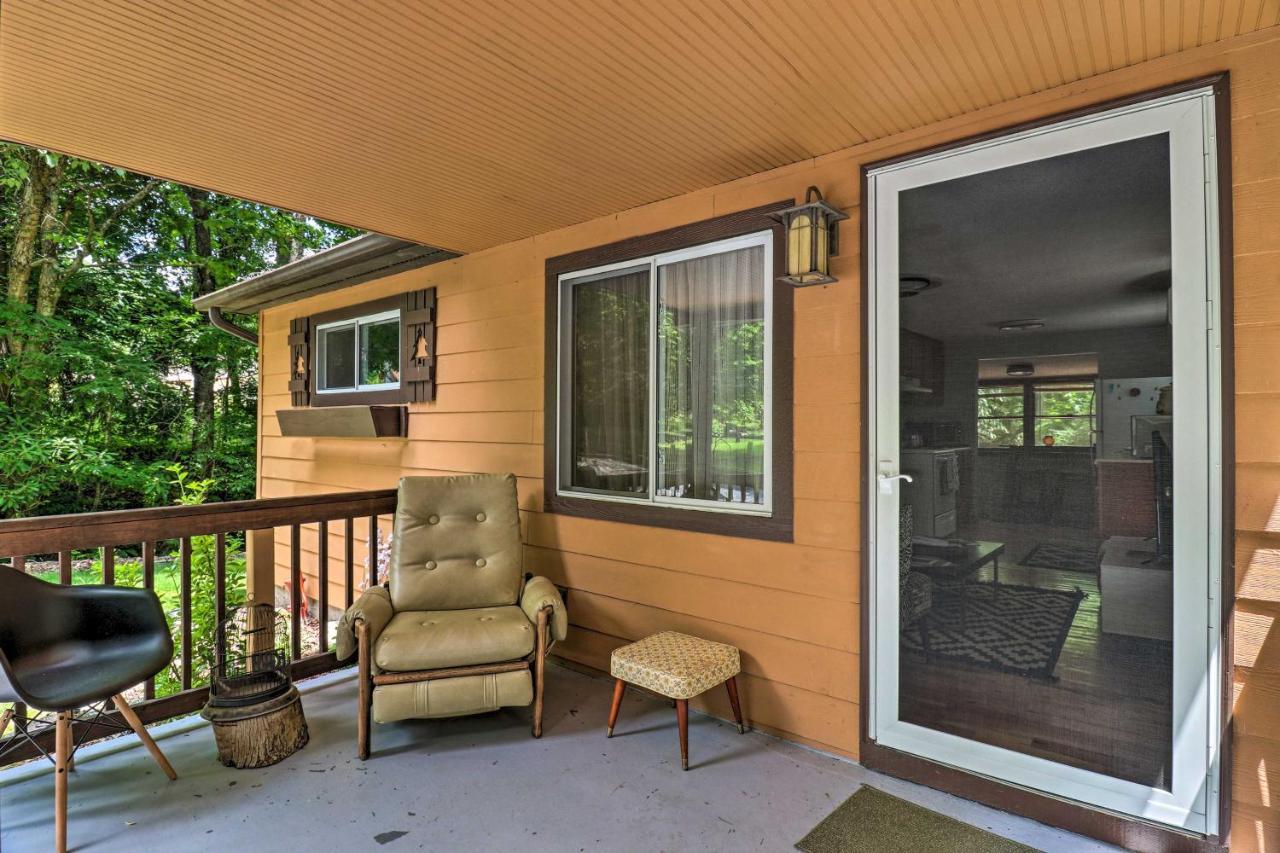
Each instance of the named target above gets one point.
<point>732,686</point>
<point>682,719</point>
<point>365,676</point>
<point>619,688</point>
<point>539,670</point>
<point>140,730</point>
<point>62,754</point>
<point>4,721</point>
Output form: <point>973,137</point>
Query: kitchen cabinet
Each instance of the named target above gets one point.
<point>920,358</point>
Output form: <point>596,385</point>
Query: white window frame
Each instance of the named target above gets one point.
<point>651,263</point>
<point>1192,804</point>
<point>355,323</point>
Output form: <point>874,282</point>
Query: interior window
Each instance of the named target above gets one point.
<point>361,354</point>
<point>1063,414</point>
<point>1000,416</point>
<point>664,364</point>
<point>1048,414</point>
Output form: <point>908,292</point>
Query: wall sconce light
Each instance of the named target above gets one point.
<point>812,238</point>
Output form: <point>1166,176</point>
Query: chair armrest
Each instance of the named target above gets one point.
<point>374,608</point>
<point>539,593</point>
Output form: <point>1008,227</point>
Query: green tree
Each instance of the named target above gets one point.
<point>107,373</point>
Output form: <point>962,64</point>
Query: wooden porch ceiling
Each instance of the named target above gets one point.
<point>468,123</point>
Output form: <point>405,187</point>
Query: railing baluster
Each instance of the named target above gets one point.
<point>322,566</point>
<point>149,582</point>
<point>103,535</point>
<point>219,596</point>
<point>185,596</point>
<point>373,551</point>
<point>295,590</point>
<point>349,558</point>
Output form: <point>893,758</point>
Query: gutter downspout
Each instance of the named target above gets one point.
<point>221,322</point>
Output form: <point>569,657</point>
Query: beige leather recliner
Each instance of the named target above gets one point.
<point>457,629</point>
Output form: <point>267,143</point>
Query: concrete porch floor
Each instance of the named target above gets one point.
<point>476,783</point>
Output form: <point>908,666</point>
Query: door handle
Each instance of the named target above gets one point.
<point>886,482</point>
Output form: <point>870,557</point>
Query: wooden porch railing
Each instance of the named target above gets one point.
<point>107,531</point>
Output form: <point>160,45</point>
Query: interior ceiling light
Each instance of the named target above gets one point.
<point>913,285</point>
<point>1021,370</point>
<point>1020,325</point>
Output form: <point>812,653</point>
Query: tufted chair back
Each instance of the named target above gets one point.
<point>457,543</point>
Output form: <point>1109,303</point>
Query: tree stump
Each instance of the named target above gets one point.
<point>259,735</point>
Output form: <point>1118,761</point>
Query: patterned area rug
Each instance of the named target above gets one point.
<point>1019,630</point>
<point>1072,558</point>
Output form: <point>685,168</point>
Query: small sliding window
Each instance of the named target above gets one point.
<point>664,372</point>
<point>360,354</point>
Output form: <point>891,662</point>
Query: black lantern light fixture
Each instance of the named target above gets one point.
<point>812,238</point>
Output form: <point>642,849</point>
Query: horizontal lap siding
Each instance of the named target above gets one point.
<point>793,607</point>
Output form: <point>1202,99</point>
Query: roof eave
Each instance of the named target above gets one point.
<point>357,260</point>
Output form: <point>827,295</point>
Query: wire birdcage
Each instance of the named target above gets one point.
<point>252,660</point>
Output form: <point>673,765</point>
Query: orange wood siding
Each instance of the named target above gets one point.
<point>793,607</point>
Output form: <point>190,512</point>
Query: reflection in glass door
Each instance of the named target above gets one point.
<point>1042,548</point>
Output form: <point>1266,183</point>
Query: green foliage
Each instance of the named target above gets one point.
<point>204,616</point>
<point>98,382</point>
<point>1065,412</point>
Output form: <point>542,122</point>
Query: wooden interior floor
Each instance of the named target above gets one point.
<point>1109,709</point>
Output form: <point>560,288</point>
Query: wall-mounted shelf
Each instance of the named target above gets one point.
<point>345,422</point>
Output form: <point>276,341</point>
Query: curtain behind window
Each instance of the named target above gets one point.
<point>711,351</point>
<point>610,384</point>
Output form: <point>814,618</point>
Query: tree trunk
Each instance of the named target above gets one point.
<point>204,366</point>
<point>49,281</point>
<point>27,234</point>
<point>288,246</point>
<point>259,735</point>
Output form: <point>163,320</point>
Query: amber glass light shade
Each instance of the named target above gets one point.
<point>811,240</point>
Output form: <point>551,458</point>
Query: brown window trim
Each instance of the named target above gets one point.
<point>1127,832</point>
<point>778,526</point>
<point>354,398</point>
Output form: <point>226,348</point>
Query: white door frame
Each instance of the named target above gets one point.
<point>1188,118</point>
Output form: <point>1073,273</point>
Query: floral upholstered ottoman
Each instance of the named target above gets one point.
<point>679,667</point>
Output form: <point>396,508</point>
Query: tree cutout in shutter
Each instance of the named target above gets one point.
<point>418,338</point>
<point>300,361</point>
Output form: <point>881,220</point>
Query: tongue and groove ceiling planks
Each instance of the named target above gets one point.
<point>468,123</point>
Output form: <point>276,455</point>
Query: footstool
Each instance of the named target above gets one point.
<point>679,667</point>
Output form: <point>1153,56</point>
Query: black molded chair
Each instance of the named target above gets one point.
<point>64,648</point>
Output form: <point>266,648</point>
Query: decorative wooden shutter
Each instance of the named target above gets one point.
<point>300,361</point>
<point>418,346</point>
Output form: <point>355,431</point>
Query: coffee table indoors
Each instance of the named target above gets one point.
<point>958,566</point>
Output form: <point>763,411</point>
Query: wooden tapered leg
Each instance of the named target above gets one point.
<point>4,721</point>
<point>539,670</point>
<point>140,730</point>
<point>682,719</point>
<point>365,676</point>
<point>619,688</point>
<point>62,754</point>
<point>732,686</point>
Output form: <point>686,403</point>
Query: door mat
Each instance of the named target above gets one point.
<point>1017,629</point>
<point>1070,558</point>
<point>872,821</point>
